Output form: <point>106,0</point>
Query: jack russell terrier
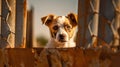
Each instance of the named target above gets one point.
<point>62,29</point>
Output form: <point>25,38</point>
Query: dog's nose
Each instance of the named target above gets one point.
<point>62,36</point>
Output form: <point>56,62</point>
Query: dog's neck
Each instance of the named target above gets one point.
<point>54,44</point>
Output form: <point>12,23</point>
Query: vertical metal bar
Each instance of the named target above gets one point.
<point>0,19</point>
<point>80,42</point>
<point>5,29</point>
<point>29,34</point>
<point>95,21</point>
<point>117,17</point>
<point>20,31</point>
<point>116,23</point>
<point>11,22</point>
<point>83,19</point>
<point>25,23</point>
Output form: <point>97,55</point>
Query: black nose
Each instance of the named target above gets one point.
<point>62,36</point>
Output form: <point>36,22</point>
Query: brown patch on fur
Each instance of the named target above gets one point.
<point>47,19</point>
<point>73,19</point>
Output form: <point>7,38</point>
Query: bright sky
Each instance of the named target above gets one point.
<point>45,7</point>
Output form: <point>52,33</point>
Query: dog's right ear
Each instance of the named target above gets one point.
<point>73,18</point>
<point>47,19</point>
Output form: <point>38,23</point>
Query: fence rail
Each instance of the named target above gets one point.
<point>68,57</point>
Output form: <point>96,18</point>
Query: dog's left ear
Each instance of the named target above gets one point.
<point>73,18</point>
<point>47,19</point>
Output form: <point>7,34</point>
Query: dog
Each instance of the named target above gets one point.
<point>62,29</point>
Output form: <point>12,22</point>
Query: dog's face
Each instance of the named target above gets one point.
<point>61,27</point>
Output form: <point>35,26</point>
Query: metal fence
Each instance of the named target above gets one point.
<point>13,14</point>
<point>99,21</point>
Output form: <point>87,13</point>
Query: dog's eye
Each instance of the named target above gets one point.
<point>55,27</point>
<point>67,26</point>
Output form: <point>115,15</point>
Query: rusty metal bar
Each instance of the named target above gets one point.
<point>95,20</point>
<point>115,25</point>
<point>82,22</point>
<point>0,19</point>
<point>5,28</point>
<point>29,34</point>
<point>11,22</point>
<point>21,14</point>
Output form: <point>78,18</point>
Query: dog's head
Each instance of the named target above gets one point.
<point>61,27</point>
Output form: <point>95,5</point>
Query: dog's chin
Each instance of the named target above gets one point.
<point>61,41</point>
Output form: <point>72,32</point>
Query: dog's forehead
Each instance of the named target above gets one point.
<point>61,19</point>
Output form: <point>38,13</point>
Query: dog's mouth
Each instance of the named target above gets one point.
<point>62,40</point>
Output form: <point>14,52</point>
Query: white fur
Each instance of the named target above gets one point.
<point>62,31</point>
<point>61,19</point>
